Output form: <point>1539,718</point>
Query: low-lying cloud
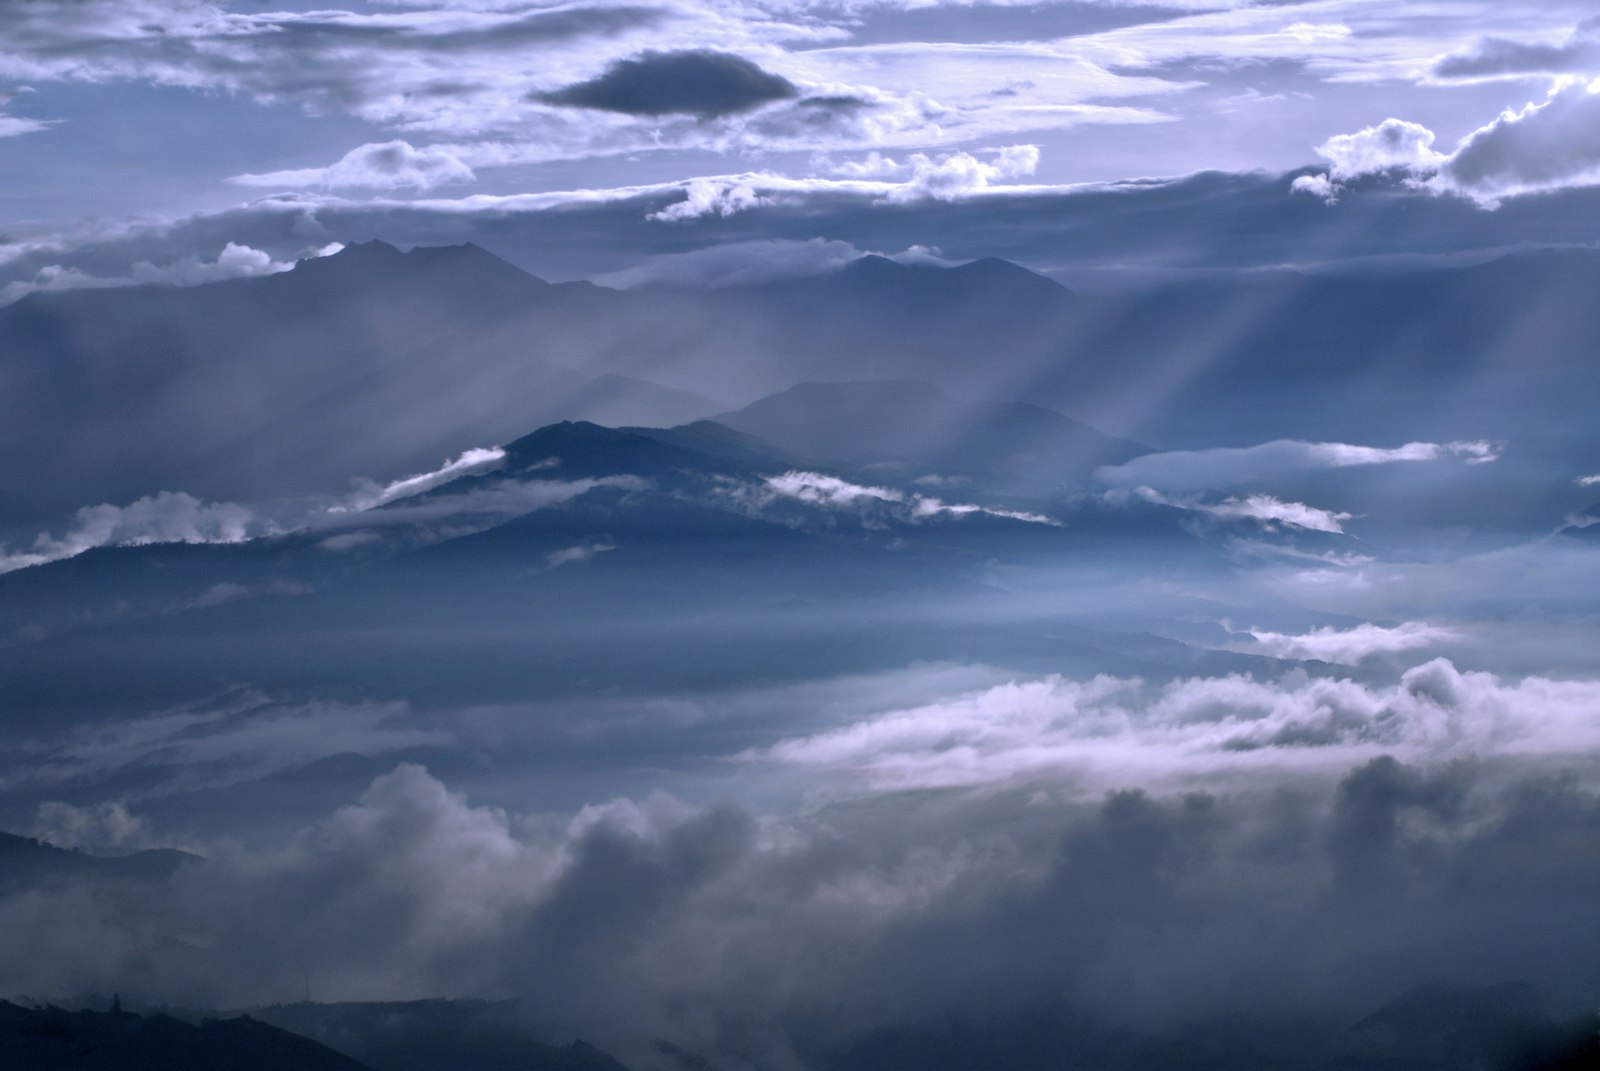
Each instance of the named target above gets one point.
<point>471,463</point>
<point>178,517</point>
<point>168,517</point>
<point>1099,730</point>
<point>1349,647</point>
<point>1199,470</point>
<point>1266,510</point>
<point>236,261</point>
<point>783,940</point>
<point>820,489</point>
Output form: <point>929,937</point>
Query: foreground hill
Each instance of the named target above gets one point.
<point>50,1039</point>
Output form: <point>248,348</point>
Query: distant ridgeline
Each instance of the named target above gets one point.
<point>25,861</point>
<point>373,361</point>
<point>50,1039</point>
<point>430,1035</point>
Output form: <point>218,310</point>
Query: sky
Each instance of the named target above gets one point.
<point>1209,639</point>
<point>131,120</point>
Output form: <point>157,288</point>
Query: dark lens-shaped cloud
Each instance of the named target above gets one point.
<point>695,82</point>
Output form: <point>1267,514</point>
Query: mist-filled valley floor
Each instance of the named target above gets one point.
<point>904,666</point>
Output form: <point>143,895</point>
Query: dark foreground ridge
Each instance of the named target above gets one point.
<point>51,1039</point>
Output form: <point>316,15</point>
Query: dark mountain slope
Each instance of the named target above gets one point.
<point>50,1039</point>
<point>433,1035</point>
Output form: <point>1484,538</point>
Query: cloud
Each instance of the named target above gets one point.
<point>1099,730</point>
<point>1547,146</point>
<point>947,177</point>
<point>236,261</point>
<point>711,197</point>
<point>387,166</point>
<point>1104,229</point>
<point>12,126</point>
<point>952,175</point>
<point>579,553</point>
<point>719,930</point>
<point>1317,186</point>
<point>1589,481</point>
<point>1349,647</point>
<point>1270,510</point>
<point>1197,470</point>
<point>819,489</point>
<point>1392,144</point>
<point>471,463</point>
<point>697,82</point>
<point>1495,57</point>
<point>178,517</point>
<point>935,507</point>
<point>168,517</point>
<point>103,828</point>
<point>823,490</point>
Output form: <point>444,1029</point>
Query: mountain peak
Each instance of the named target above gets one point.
<point>993,268</point>
<point>985,272</point>
<point>466,264</point>
<point>373,252</point>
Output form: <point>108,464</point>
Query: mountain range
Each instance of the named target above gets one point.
<point>372,362</point>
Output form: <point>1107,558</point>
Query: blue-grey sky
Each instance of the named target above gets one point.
<point>118,116</point>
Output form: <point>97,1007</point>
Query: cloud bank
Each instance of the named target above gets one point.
<point>1545,147</point>
<point>1199,470</point>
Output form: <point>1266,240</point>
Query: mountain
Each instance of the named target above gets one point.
<point>378,363</point>
<point>1438,1027</point>
<point>671,559</point>
<point>25,861</point>
<point>50,1039</point>
<point>1498,349</point>
<point>434,1035</point>
<point>913,428</point>
<point>368,362</point>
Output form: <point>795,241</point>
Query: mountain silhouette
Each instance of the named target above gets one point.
<point>368,362</point>
<point>25,861</point>
<point>51,1039</point>
<point>431,1035</point>
<point>379,363</point>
